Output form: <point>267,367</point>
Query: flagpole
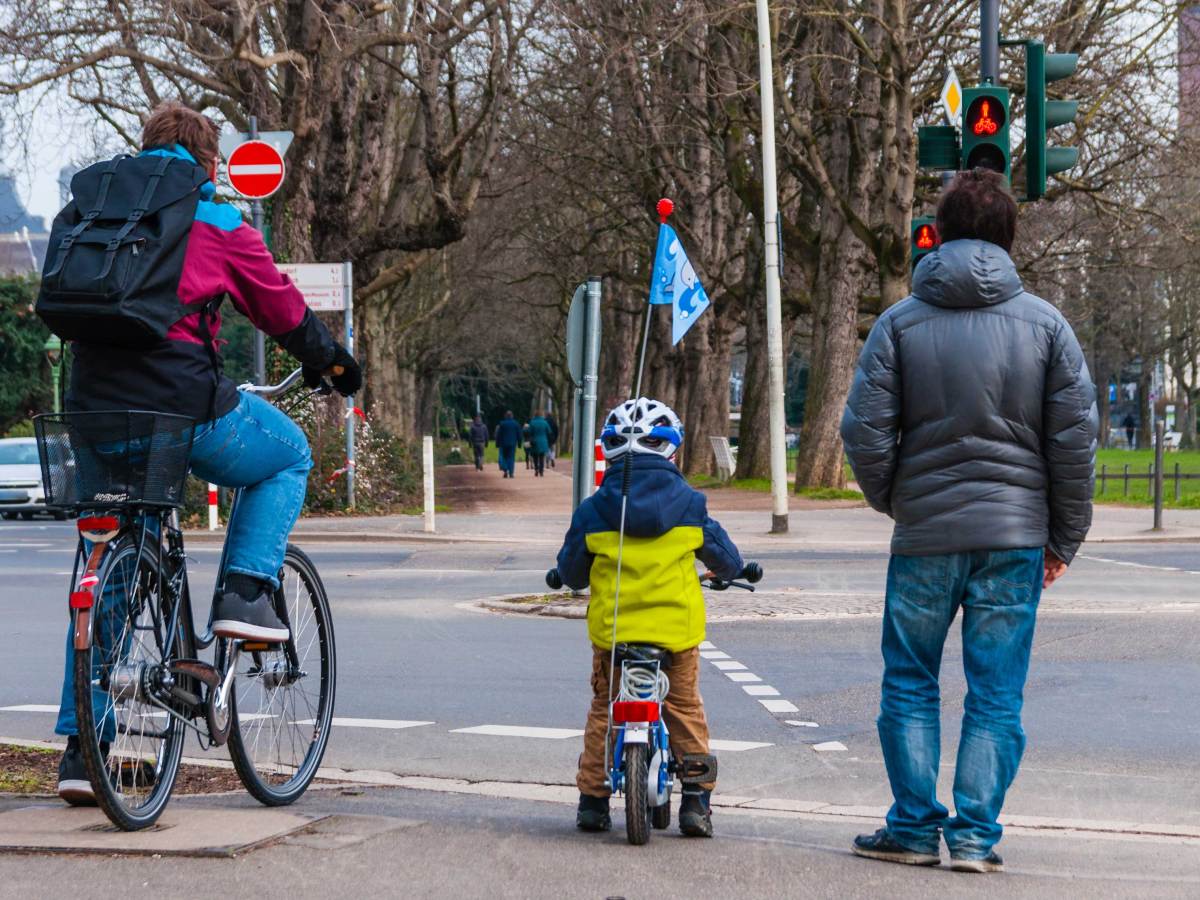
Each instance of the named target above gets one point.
<point>774,313</point>
<point>664,207</point>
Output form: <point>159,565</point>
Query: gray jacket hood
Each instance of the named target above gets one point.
<point>966,274</point>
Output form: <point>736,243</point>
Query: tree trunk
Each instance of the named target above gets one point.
<point>754,435</point>
<point>834,354</point>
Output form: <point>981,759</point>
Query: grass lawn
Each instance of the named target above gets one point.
<point>763,485</point>
<point>1141,490</point>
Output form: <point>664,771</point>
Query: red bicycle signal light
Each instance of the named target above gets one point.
<point>624,711</point>
<point>926,237</point>
<point>985,116</point>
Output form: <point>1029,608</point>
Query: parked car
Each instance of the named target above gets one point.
<point>21,491</point>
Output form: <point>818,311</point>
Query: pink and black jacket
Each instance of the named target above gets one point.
<point>224,256</point>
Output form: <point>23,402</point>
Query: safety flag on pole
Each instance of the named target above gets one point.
<point>674,281</point>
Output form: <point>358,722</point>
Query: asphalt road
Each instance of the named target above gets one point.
<point>1111,716</point>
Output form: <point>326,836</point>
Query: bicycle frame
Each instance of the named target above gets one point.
<point>641,721</point>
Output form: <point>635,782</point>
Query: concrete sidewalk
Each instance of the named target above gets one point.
<point>528,510</point>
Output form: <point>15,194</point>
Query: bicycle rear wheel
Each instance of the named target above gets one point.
<point>283,697</point>
<point>131,745</point>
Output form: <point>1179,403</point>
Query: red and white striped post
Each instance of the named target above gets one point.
<point>601,463</point>
<point>213,522</point>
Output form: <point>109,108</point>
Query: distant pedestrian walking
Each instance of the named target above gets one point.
<point>525,444</point>
<point>991,491</point>
<point>1130,425</point>
<point>508,436</point>
<point>553,423</point>
<point>478,435</point>
<point>539,443</point>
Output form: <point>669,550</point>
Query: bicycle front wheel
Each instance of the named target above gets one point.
<point>282,701</point>
<point>131,744</point>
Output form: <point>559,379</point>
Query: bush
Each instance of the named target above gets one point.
<point>24,380</point>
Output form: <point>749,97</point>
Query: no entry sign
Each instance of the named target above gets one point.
<point>255,169</point>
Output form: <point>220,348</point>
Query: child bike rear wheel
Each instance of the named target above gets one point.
<point>131,745</point>
<point>637,808</point>
<point>282,703</point>
<point>660,816</point>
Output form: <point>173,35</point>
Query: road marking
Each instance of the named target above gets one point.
<point>728,665</point>
<point>1134,565</point>
<point>736,746</point>
<point>801,724</point>
<point>707,645</point>
<point>829,747</point>
<point>742,676</point>
<point>31,707</point>
<point>553,734</point>
<point>714,654</point>
<point>780,706</point>
<point>368,723</point>
<point>760,690</point>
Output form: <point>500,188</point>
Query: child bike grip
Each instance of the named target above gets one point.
<point>752,572</point>
<point>553,579</point>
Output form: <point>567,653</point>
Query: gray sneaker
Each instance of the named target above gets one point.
<point>251,620</point>
<point>883,846</point>
<point>990,863</point>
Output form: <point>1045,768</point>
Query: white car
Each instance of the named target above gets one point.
<point>21,479</point>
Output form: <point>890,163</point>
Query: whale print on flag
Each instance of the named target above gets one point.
<point>674,281</point>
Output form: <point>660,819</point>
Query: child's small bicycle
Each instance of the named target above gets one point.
<point>641,766</point>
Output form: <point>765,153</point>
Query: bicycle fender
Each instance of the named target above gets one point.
<point>637,733</point>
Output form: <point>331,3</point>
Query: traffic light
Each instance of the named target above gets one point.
<point>1042,114</point>
<point>925,238</point>
<point>985,129</point>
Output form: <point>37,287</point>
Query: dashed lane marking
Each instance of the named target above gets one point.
<point>742,676</point>
<point>713,654</point>
<point>394,724</point>
<point>736,746</point>
<point>760,690</point>
<point>779,706</point>
<point>728,665</point>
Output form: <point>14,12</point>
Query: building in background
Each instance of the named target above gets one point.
<point>23,236</point>
<point>1189,69</point>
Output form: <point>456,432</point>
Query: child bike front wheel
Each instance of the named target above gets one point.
<point>637,806</point>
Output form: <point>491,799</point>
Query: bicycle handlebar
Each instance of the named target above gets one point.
<point>751,571</point>
<point>267,391</point>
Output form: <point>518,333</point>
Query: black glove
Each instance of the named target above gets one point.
<point>347,383</point>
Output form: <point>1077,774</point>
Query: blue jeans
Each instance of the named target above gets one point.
<point>508,459</point>
<point>999,592</point>
<point>255,447</point>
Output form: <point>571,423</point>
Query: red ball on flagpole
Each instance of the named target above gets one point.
<point>665,207</point>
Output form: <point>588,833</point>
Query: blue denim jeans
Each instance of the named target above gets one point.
<point>999,592</point>
<point>255,447</point>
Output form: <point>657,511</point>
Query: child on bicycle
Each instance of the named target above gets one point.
<point>666,527</point>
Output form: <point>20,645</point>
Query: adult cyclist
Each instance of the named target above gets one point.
<point>242,441</point>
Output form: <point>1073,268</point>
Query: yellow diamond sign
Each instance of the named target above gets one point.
<point>951,97</point>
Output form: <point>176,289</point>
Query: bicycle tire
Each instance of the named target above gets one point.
<point>637,809</point>
<point>128,754</point>
<point>312,625</point>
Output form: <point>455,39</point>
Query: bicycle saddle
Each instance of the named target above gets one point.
<point>643,653</point>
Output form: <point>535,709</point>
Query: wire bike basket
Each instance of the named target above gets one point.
<point>102,459</point>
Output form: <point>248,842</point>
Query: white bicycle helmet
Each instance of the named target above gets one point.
<point>643,426</point>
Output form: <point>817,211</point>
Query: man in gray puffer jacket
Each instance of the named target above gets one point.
<point>972,423</point>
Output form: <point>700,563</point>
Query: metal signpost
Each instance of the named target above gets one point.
<point>583,361</point>
<point>329,287</point>
<point>256,178</point>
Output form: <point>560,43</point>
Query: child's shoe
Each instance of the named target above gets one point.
<point>593,814</point>
<point>695,814</point>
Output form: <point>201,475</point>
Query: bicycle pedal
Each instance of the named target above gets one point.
<point>697,768</point>
<point>258,646</point>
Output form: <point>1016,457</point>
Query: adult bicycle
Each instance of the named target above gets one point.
<point>140,684</point>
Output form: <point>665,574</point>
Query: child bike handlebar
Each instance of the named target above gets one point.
<point>752,572</point>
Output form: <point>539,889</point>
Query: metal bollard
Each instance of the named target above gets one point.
<point>1160,434</point>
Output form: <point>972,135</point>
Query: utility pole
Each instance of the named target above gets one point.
<point>774,312</point>
<point>256,219</point>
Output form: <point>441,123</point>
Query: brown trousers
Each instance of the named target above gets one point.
<point>683,711</point>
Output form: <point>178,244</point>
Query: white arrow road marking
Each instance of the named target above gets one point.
<point>736,746</point>
<point>367,723</point>
<point>553,734</point>
<point>256,169</point>
<point>829,746</point>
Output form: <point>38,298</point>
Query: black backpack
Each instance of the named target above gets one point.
<point>116,251</point>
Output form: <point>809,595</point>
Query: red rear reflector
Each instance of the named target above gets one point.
<point>634,711</point>
<point>81,599</point>
<point>99,523</point>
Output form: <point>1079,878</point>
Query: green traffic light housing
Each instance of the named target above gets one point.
<point>925,238</point>
<point>985,141</point>
<point>1042,114</point>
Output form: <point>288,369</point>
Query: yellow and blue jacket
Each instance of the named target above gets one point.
<point>667,527</point>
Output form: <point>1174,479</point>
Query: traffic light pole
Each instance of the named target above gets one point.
<point>989,41</point>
